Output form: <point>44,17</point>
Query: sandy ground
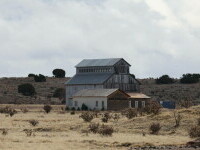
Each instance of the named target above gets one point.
<point>60,130</point>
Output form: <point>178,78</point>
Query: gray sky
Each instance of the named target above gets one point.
<point>155,36</point>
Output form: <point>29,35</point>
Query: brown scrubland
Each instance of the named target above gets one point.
<point>44,91</point>
<point>32,128</point>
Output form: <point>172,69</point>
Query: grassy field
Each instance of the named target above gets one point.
<point>60,130</point>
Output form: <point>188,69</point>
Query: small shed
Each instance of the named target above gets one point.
<point>139,100</point>
<point>98,99</point>
<point>168,104</point>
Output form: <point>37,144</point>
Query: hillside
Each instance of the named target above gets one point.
<point>9,94</point>
<point>44,90</point>
<point>176,91</point>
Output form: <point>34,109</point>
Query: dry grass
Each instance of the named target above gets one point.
<point>57,131</point>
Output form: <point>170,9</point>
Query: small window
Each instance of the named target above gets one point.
<point>97,103</point>
<point>143,104</point>
<point>75,103</point>
<point>136,104</point>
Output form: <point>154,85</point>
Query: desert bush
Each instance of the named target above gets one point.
<point>194,131</point>
<point>8,110</point>
<point>87,116</point>
<point>24,110</point>
<point>130,113</point>
<point>33,122</point>
<point>28,132</point>
<point>94,127</point>
<point>59,93</point>
<point>73,108</point>
<point>155,128</point>
<point>72,112</point>
<point>177,118</point>
<point>186,103</point>
<point>84,107</point>
<point>59,73</point>
<point>165,79</point>
<point>4,131</point>
<point>26,89</point>
<point>152,108</point>
<point>106,117</point>
<point>190,78</point>
<point>106,130</point>
<point>47,108</point>
<point>31,75</point>
<point>116,117</point>
<point>40,78</point>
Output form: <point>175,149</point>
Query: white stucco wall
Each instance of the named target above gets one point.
<point>90,102</point>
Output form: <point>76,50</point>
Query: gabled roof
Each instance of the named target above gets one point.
<point>99,62</point>
<point>95,92</point>
<point>138,95</point>
<point>93,78</point>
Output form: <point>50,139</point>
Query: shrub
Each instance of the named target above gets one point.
<point>26,89</point>
<point>8,110</point>
<point>177,118</point>
<point>87,116</point>
<point>24,110</point>
<point>153,108</point>
<point>59,93</point>
<point>72,112</point>
<point>78,109</point>
<point>47,108</point>
<point>28,132</point>
<point>40,78</point>
<point>106,117</point>
<point>33,122</point>
<point>130,113</point>
<point>59,73</point>
<point>155,128</point>
<point>4,131</point>
<point>73,108</point>
<point>194,132</point>
<point>84,107</point>
<point>106,130</point>
<point>31,75</point>
<point>94,127</point>
<point>116,117</point>
<point>165,79</point>
<point>190,78</point>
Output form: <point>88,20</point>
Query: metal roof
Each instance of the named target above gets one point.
<point>138,95</point>
<point>95,93</point>
<point>94,78</point>
<point>98,62</point>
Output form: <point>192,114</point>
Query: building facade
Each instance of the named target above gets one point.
<point>101,74</point>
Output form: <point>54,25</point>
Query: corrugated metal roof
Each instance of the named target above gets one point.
<point>138,95</point>
<point>94,93</point>
<point>98,62</point>
<point>94,78</point>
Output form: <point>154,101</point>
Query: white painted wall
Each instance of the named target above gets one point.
<point>90,102</point>
<point>72,89</point>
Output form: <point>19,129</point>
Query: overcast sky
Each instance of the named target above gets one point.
<point>155,36</point>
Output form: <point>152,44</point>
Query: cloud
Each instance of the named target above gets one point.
<point>157,38</point>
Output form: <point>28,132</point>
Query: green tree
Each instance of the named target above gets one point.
<point>165,79</point>
<point>59,73</point>
<point>190,78</point>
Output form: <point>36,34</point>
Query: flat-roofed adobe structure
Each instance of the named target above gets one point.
<point>113,73</point>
